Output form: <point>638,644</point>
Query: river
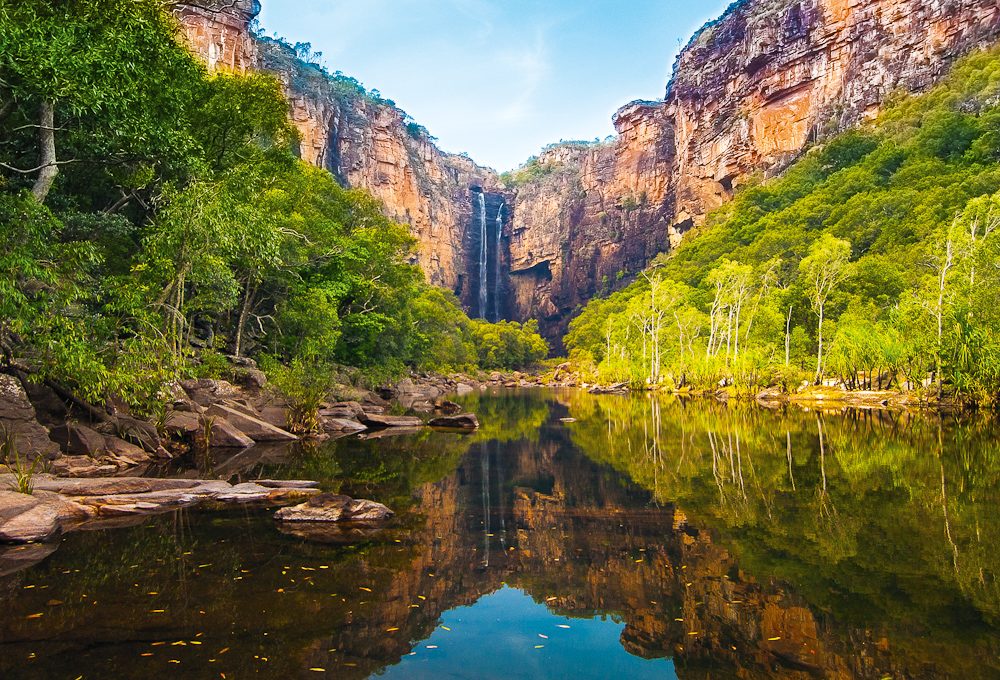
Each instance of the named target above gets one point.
<point>573,536</point>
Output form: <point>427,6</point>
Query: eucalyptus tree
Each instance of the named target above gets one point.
<point>825,268</point>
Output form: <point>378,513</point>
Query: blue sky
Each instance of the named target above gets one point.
<point>499,79</point>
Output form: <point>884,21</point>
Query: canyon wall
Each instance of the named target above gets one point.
<point>364,140</point>
<point>749,93</point>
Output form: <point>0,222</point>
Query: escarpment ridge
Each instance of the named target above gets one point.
<point>748,94</point>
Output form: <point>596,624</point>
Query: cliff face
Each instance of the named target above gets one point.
<point>217,30</point>
<point>749,92</point>
<point>365,141</point>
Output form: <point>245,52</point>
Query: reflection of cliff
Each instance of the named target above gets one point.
<point>538,515</point>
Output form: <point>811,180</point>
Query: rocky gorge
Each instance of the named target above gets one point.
<point>748,94</point>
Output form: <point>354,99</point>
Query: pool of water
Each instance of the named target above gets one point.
<point>573,536</point>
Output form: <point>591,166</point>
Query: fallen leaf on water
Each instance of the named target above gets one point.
<point>539,646</point>
<point>421,597</point>
<point>318,670</point>
<point>432,646</point>
<point>35,616</point>
<point>223,651</point>
<point>549,599</point>
<point>174,661</point>
<point>146,654</point>
<point>694,632</point>
<point>678,619</point>
<point>157,611</point>
<point>562,625</point>
<point>772,639</point>
<point>391,630</point>
<point>367,590</point>
<point>446,628</point>
<point>544,637</point>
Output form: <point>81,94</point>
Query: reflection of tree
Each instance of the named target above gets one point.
<point>836,505</point>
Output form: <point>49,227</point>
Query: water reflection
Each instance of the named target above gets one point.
<point>729,540</point>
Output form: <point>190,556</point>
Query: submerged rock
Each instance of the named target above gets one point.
<point>330,507</point>
<point>461,421</point>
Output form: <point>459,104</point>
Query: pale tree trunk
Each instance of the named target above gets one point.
<point>48,167</point>
<point>819,353</point>
<point>788,338</point>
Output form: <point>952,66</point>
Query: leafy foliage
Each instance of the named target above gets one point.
<point>183,223</point>
<point>881,242</point>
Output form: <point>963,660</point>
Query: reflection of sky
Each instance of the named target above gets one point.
<point>500,78</point>
<point>497,637</point>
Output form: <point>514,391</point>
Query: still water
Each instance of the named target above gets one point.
<point>573,536</point>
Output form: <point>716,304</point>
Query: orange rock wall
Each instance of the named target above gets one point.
<point>365,142</point>
<point>748,93</point>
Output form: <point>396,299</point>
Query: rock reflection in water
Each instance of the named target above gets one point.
<point>743,548</point>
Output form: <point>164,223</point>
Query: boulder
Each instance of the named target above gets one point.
<point>329,507</point>
<point>187,406</point>
<point>343,409</point>
<point>252,378</point>
<point>255,428</point>
<point>188,426</point>
<point>463,389</point>
<point>275,415</point>
<point>139,432</point>
<point>462,421</point>
<point>126,452</point>
<point>81,466</point>
<point>207,391</point>
<point>19,417</point>
<point>79,440</point>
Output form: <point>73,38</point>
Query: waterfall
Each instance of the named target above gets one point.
<point>483,296</point>
<point>496,271</point>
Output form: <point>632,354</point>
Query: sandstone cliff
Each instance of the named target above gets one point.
<point>748,94</point>
<point>364,140</point>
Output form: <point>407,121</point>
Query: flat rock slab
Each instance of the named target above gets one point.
<point>461,421</point>
<point>330,507</point>
<point>342,425</point>
<point>253,427</point>
<point>26,519</point>
<point>59,505</point>
<point>109,486</point>
<point>375,420</point>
